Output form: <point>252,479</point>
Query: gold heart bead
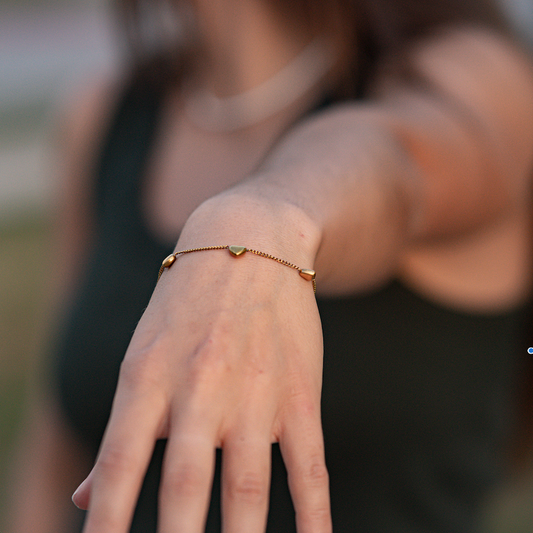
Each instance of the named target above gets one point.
<point>308,275</point>
<point>168,261</point>
<point>236,250</point>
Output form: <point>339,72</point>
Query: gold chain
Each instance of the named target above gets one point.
<point>237,251</point>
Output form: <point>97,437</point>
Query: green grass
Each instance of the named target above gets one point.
<point>24,265</point>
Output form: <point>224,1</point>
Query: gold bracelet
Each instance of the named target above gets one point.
<point>236,251</point>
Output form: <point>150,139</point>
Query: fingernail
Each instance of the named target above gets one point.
<point>74,499</point>
<point>76,492</point>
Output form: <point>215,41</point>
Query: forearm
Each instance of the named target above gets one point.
<point>349,190</point>
<point>322,210</point>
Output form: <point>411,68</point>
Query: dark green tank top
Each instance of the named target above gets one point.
<point>417,398</point>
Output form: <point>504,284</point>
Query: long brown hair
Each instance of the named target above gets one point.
<point>366,29</point>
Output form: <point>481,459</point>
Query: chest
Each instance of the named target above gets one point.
<point>187,165</point>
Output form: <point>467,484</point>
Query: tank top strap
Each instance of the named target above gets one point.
<point>125,152</point>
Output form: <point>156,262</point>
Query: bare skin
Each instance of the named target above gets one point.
<point>407,184</point>
<point>352,193</point>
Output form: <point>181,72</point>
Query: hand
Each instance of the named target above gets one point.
<point>228,354</point>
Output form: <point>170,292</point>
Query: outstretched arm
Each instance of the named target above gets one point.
<point>228,354</point>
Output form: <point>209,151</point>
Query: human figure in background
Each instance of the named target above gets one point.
<point>385,145</point>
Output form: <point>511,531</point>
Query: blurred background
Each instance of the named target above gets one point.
<point>47,48</point>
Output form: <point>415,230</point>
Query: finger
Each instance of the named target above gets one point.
<point>122,462</point>
<point>187,478</point>
<point>302,447</point>
<point>81,496</point>
<point>246,460</point>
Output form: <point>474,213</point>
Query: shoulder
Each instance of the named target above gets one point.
<point>84,115</point>
<point>479,48</point>
<point>81,124</point>
<point>484,81</point>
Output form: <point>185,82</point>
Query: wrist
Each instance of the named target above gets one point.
<point>255,221</point>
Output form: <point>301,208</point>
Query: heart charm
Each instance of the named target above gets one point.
<point>308,275</point>
<point>167,263</point>
<point>236,250</point>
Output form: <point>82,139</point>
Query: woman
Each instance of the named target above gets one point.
<point>395,164</point>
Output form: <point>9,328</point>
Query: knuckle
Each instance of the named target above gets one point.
<point>250,488</point>
<point>315,474</point>
<point>318,517</point>
<point>303,400</point>
<point>306,407</point>
<point>207,364</point>
<point>185,480</point>
<point>208,353</point>
<point>114,462</point>
<point>142,370</point>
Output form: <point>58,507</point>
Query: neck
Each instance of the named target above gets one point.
<point>244,44</point>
